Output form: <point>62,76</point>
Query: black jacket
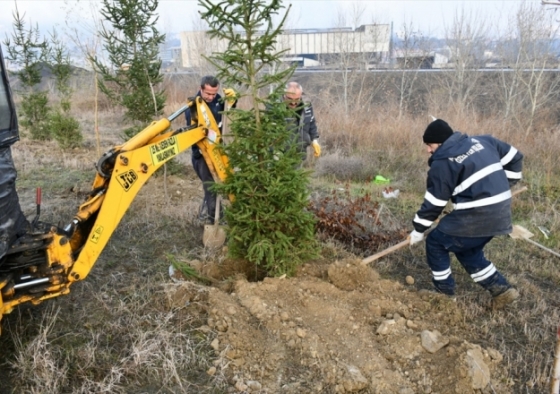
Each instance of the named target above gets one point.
<point>476,174</point>
<point>9,132</point>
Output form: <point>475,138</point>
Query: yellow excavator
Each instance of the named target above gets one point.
<point>43,261</point>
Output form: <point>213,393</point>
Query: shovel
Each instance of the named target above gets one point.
<point>520,232</point>
<point>402,244</point>
<point>214,235</point>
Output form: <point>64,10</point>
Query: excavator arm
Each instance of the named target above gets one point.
<point>46,261</point>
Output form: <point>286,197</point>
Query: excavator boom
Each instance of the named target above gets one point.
<point>46,261</point>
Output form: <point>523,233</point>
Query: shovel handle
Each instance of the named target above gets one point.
<point>516,192</point>
<point>402,244</point>
<point>542,247</point>
<point>385,252</point>
<point>217,213</point>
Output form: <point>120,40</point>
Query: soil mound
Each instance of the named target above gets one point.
<point>339,328</point>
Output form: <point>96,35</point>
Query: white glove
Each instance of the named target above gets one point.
<point>415,237</point>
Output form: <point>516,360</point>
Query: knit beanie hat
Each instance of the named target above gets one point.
<point>437,132</point>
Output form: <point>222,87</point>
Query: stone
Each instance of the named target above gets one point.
<point>385,327</point>
<point>432,341</point>
<point>353,380</point>
<point>477,369</point>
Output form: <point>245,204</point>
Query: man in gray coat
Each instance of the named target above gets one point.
<point>303,124</point>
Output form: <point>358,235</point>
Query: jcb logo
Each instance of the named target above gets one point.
<point>127,179</point>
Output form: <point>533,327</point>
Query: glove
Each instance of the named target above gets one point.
<point>415,237</point>
<point>230,95</point>
<point>316,148</point>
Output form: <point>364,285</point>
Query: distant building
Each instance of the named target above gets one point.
<point>312,47</point>
<point>170,58</point>
<point>419,59</point>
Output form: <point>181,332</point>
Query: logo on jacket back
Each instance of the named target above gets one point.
<point>475,148</point>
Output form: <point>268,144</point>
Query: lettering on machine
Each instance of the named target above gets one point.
<point>127,179</point>
<point>164,150</point>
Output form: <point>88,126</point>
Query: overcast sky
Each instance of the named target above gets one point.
<point>428,16</point>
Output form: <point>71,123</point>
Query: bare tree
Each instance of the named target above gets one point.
<point>526,84</point>
<point>355,49</point>
<point>411,51</point>
<point>466,38</point>
<point>82,28</point>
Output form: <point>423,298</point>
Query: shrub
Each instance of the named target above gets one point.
<point>65,130</point>
<point>35,110</point>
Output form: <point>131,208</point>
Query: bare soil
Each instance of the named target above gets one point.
<point>337,327</point>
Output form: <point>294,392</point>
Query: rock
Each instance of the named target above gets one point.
<point>411,324</point>
<point>409,280</point>
<point>211,371</point>
<point>215,344</point>
<point>432,341</point>
<point>495,355</point>
<point>478,371</point>
<point>300,333</point>
<point>353,379</point>
<point>385,327</point>
<point>254,385</point>
<point>240,386</point>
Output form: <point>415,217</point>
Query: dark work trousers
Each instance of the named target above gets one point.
<point>203,172</point>
<point>469,252</point>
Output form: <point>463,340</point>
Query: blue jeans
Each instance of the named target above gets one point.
<point>469,252</point>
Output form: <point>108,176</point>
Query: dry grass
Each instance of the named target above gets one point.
<point>114,334</point>
<point>360,144</point>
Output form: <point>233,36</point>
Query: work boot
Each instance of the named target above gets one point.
<point>502,300</point>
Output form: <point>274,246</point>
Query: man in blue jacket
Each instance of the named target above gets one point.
<point>209,86</point>
<point>476,174</point>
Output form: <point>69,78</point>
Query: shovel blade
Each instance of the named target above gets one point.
<point>214,236</point>
<point>520,232</point>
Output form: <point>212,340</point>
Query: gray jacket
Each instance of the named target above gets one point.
<point>304,127</point>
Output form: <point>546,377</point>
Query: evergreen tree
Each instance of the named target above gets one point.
<point>268,221</point>
<point>132,45</point>
<point>63,126</point>
<point>28,52</point>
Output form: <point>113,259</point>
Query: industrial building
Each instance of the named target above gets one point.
<point>308,47</point>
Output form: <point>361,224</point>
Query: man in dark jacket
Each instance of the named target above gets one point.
<point>303,124</point>
<point>476,173</point>
<point>12,221</point>
<point>209,86</point>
